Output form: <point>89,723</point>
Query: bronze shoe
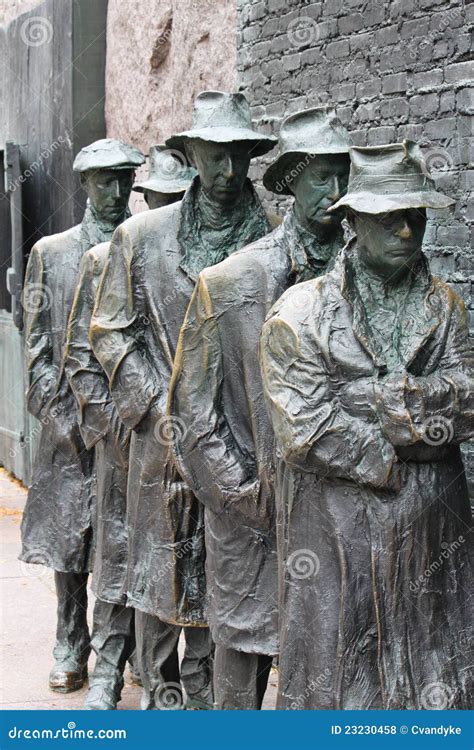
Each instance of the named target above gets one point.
<point>66,678</point>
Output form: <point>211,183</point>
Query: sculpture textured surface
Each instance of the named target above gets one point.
<point>58,519</point>
<point>154,260</point>
<point>225,452</point>
<point>368,373</point>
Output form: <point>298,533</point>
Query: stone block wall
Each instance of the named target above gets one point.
<point>160,55</point>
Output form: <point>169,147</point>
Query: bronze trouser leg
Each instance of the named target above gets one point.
<point>240,679</point>
<point>72,632</point>
<point>197,668</point>
<point>113,640</point>
<point>157,654</point>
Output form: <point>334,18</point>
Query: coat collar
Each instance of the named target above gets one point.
<point>94,231</point>
<point>308,258</point>
<point>426,324</point>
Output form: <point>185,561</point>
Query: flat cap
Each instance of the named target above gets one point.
<point>108,153</point>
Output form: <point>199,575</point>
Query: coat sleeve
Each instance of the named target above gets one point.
<point>437,408</point>
<point>314,432</point>
<point>117,333</point>
<point>205,451</point>
<point>86,377</point>
<point>42,374</point>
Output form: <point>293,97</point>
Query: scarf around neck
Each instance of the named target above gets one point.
<point>95,230</point>
<point>209,233</point>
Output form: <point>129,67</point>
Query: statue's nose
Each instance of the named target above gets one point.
<point>405,232</point>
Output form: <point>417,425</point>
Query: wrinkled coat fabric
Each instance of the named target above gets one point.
<point>141,304</point>
<point>225,452</point>
<point>101,429</point>
<point>57,523</point>
<point>374,612</point>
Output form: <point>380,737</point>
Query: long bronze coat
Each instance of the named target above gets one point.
<point>57,523</point>
<point>102,430</point>
<point>225,454</point>
<point>142,300</point>
<point>375,610</point>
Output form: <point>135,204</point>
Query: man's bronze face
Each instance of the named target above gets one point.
<point>158,200</point>
<point>109,192</point>
<point>390,244</point>
<point>321,183</point>
<point>222,168</point>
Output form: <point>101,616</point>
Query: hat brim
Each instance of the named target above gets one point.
<point>258,144</point>
<point>168,187</point>
<point>375,203</point>
<point>114,167</point>
<point>278,177</point>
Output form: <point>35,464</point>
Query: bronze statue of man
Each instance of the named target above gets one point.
<point>113,635</point>
<point>225,454</point>
<point>169,178</point>
<point>153,264</point>
<point>57,524</point>
<point>368,373</point>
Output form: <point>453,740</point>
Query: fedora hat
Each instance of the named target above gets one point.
<point>108,153</point>
<point>311,132</point>
<point>390,178</point>
<point>223,118</point>
<point>167,173</point>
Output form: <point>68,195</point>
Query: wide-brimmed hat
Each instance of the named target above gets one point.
<point>108,153</point>
<point>223,118</point>
<point>168,172</point>
<point>303,135</point>
<point>390,178</point>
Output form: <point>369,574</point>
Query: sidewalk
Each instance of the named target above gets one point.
<point>28,622</point>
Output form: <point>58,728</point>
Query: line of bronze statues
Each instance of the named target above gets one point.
<point>256,425</point>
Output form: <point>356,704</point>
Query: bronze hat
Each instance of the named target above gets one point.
<point>223,118</point>
<point>310,132</point>
<point>390,178</point>
<point>108,153</point>
<point>168,174</point>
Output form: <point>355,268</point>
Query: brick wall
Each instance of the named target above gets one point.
<point>393,70</point>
